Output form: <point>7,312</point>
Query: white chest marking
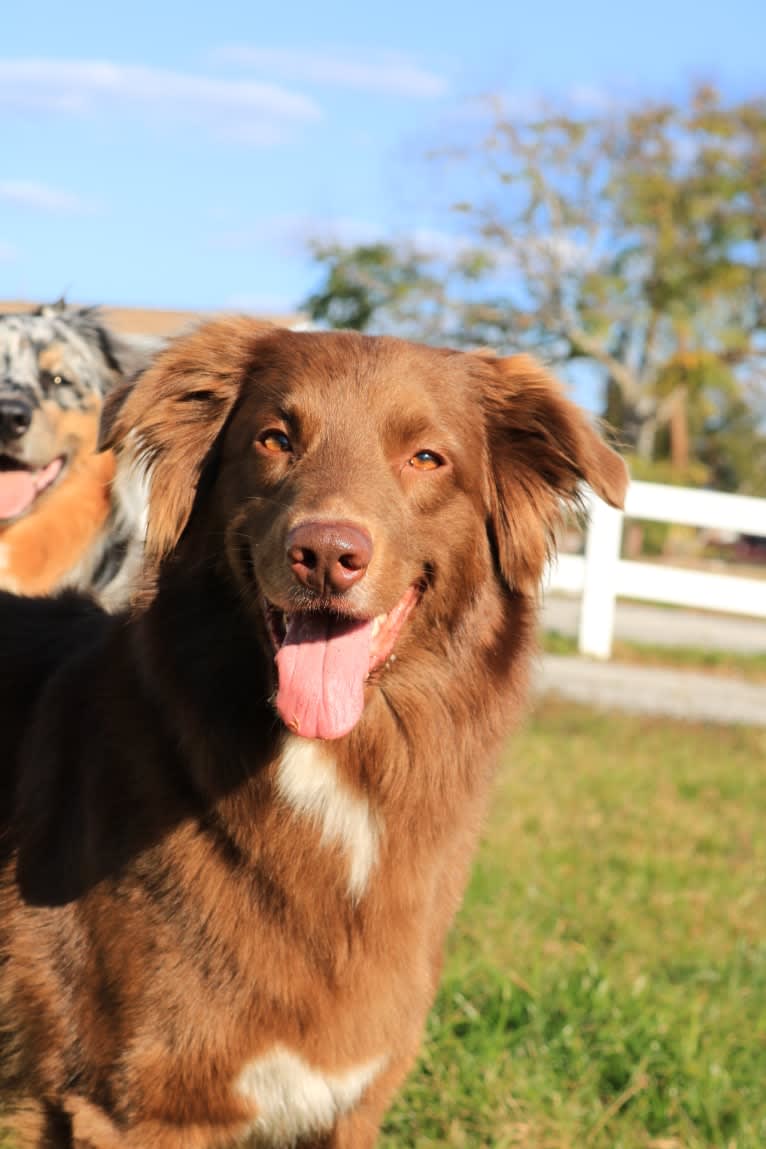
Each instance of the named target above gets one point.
<point>307,780</point>
<point>293,1100</point>
<point>132,482</point>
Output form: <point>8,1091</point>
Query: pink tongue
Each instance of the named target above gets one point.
<point>17,492</point>
<point>322,667</point>
<point>18,489</point>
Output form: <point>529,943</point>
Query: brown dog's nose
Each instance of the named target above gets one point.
<point>329,557</point>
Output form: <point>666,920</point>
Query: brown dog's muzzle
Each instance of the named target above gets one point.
<point>328,557</point>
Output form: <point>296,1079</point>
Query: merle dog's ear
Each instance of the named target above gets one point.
<point>542,447</point>
<point>132,354</point>
<point>164,423</point>
<point>111,409</point>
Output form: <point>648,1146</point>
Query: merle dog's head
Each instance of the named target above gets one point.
<point>56,366</point>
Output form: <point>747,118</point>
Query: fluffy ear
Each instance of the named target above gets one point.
<point>541,448</point>
<point>164,423</point>
<point>132,354</point>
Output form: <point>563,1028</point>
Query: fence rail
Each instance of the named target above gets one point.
<point>601,576</point>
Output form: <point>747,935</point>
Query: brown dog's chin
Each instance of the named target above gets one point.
<point>21,486</point>
<point>324,659</point>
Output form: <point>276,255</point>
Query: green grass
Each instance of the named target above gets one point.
<point>750,667</point>
<point>605,986</point>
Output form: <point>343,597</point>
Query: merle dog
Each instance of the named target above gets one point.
<point>63,521</point>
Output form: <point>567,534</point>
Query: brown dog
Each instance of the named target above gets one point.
<point>243,816</point>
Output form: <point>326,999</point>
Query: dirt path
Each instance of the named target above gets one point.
<point>650,624</point>
<point>648,690</point>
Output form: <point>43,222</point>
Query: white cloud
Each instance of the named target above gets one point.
<point>445,245</point>
<point>41,197</point>
<point>590,98</point>
<point>524,104</point>
<point>387,73</point>
<point>261,304</point>
<point>294,233</point>
<point>346,230</point>
<point>429,241</point>
<point>243,110</point>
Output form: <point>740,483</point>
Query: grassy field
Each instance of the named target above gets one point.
<point>606,983</point>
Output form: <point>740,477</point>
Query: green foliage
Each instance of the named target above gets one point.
<point>695,474</point>
<point>408,290</point>
<point>726,441</point>
<point>363,280</point>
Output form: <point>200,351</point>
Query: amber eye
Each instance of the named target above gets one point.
<point>426,461</point>
<point>49,380</point>
<point>275,442</point>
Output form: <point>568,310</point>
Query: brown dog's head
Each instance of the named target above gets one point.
<point>366,494</point>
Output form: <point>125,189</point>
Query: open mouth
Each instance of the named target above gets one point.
<point>324,659</point>
<point>21,485</point>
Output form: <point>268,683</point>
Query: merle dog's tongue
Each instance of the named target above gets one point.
<point>322,666</point>
<point>19,487</point>
<point>17,493</point>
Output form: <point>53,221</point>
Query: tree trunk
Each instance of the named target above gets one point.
<point>679,434</point>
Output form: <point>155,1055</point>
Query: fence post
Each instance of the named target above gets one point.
<point>602,554</point>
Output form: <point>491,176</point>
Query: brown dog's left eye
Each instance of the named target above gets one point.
<point>426,461</point>
<point>275,442</point>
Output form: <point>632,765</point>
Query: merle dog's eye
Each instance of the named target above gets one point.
<point>274,441</point>
<point>49,381</point>
<point>426,461</point>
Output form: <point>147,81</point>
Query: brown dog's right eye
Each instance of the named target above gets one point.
<point>426,461</point>
<point>275,442</point>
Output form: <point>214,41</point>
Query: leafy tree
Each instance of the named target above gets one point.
<point>401,287</point>
<point>364,280</point>
<point>634,239</point>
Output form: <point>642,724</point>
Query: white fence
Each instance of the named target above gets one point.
<point>602,576</point>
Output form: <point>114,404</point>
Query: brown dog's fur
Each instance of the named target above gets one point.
<point>211,929</point>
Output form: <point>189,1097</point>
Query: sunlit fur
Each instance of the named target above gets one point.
<point>210,929</point>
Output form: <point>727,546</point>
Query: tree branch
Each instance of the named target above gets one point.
<point>590,347</point>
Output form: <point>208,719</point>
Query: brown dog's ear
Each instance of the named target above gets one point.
<point>165,423</point>
<point>541,448</point>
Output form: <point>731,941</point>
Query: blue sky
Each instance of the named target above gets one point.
<point>178,155</point>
